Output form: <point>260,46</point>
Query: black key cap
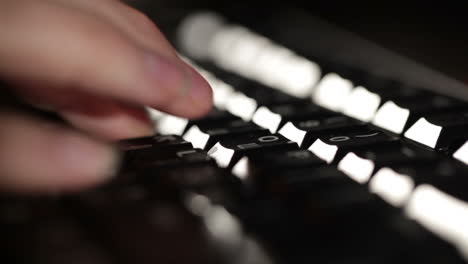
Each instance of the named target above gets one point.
<point>334,146</point>
<point>397,154</point>
<point>191,168</point>
<point>398,116</point>
<point>447,175</point>
<point>215,116</point>
<point>390,89</point>
<point>260,168</point>
<point>176,125</point>
<point>422,105</point>
<point>440,131</point>
<point>172,158</point>
<point>262,94</point>
<point>306,131</point>
<point>206,135</point>
<point>157,142</point>
<point>266,96</point>
<point>227,152</point>
<point>274,117</point>
<point>360,165</point>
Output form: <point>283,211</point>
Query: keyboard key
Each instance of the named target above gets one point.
<point>360,165</point>
<point>393,187</point>
<point>274,117</point>
<point>391,89</point>
<point>157,141</point>
<point>442,214</point>
<point>215,116</point>
<point>334,146</point>
<point>205,136</point>
<point>221,94</point>
<point>227,152</point>
<point>462,153</point>
<point>400,113</point>
<point>191,170</point>
<point>240,50</point>
<point>242,106</point>
<point>169,124</point>
<point>332,92</point>
<point>440,131</point>
<point>398,154</point>
<point>445,174</point>
<point>271,162</point>
<point>172,159</point>
<point>148,148</point>
<point>267,96</point>
<point>267,119</point>
<point>306,131</point>
<point>361,104</point>
<point>357,168</point>
<point>391,117</point>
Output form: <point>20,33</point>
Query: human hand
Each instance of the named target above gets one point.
<point>96,63</point>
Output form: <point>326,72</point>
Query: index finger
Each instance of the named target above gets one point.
<point>74,49</point>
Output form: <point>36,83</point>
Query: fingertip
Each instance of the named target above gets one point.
<point>201,94</point>
<point>178,88</point>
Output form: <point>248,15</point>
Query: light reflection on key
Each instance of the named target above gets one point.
<point>332,92</point>
<point>391,117</point>
<point>290,132</point>
<point>424,132</point>
<point>241,106</point>
<point>169,124</point>
<point>392,187</point>
<point>324,151</point>
<point>196,31</point>
<point>270,62</point>
<point>221,154</point>
<point>357,168</point>
<point>197,137</point>
<point>442,214</point>
<point>362,104</point>
<point>298,76</point>
<point>241,169</point>
<point>240,50</point>
<point>462,153</point>
<point>154,114</point>
<point>222,92</point>
<point>225,46</point>
<point>267,119</point>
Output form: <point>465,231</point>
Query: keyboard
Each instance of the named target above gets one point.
<point>302,160</point>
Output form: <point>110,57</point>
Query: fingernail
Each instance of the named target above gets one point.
<point>169,73</point>
<point>95,161</point>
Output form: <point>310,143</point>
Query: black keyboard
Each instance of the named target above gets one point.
<point>302,160</point>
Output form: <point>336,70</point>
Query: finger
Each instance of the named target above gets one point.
<point>133,23</point>
<point>102,117</point>
<point>110,120</point>
<point>39,157</point>
<point>78,50</point>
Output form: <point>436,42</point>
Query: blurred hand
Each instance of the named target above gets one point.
<point>96,63</point>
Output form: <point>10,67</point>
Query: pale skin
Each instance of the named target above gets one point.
<point>96,63</point>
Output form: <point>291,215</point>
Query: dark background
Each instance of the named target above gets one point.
<point>432,33</point>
